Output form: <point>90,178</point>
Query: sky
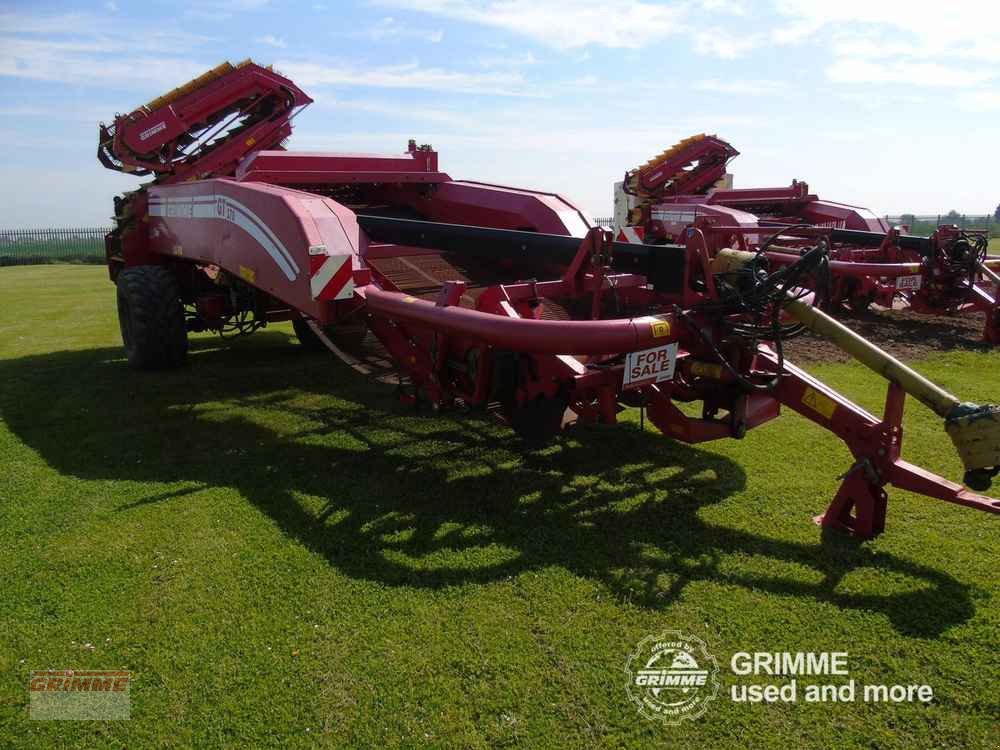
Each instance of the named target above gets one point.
<point>891,105</point>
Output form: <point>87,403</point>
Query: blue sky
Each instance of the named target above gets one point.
<point>891,105</point>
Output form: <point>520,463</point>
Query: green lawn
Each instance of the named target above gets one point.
<point>285,556</point>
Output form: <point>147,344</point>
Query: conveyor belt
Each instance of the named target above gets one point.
<point>422,275</point>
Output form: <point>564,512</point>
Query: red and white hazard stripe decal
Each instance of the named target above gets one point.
<point>631,234</point>
<point>331,276</point>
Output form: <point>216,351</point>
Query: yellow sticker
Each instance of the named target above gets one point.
<point>706,370</point>
<point>819,402</point>
<point>248,274</point>
<point>660,328</point>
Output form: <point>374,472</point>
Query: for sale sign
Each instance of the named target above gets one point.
<point>650,366</point>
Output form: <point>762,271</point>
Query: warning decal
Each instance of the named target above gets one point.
<point>819,402</point>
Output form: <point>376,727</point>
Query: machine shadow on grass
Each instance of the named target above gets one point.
<point>387,495</point>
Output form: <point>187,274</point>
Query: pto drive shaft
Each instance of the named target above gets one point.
<point>974,429</point>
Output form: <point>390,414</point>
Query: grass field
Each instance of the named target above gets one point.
<point>284,556</point>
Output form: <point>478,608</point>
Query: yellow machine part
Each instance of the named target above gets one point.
<point>667,154</point>
<point>974,430</point>
<point>196,83</point>
<point>729,260</point>
<point>977,437</point>
<point>933,396</point>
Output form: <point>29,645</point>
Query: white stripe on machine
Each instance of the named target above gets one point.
<point>227,209</point>
<point>675,217</point>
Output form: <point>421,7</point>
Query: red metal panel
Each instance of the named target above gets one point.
<point>486,205</point>
<point>306,168</point>
<point>268,236</point>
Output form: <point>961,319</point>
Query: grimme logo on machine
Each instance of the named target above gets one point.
<point>672,677</point>
<point>150,132</point>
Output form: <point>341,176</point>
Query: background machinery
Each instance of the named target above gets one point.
<point>947,273</point>
<point>484,297</point>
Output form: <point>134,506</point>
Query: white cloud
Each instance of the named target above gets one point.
<point>513,60</point>
<point>127,72</point>
<point>86,32</point>
<point>725,45</point>
<point>78,48</point>
<point>734,7</point>
<point>112,6</point>
<point>905,72</point>
<point>564,25</point>
<point>397,111</point>
<point>97,60</point>
<point>407,76</point>
<point>980,101</point>
<point>740,86</point>
<point>272,41</point>
<point>89,113</point>
<point>63,23</point>
<point>221,10</point>
<point>951,22</point>
<point>864,98</point>
<point>900,42</point>
<point>389,28</point>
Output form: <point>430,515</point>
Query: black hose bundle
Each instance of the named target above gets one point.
<point>967,252</point>
<point>750,302</point>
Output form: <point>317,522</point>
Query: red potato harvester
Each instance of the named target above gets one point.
<point>947,273</point>
<point>487,297</point>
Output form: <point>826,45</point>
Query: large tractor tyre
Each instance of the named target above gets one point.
<point>151,318</point>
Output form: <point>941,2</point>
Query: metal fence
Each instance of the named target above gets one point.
<point>32,246</point>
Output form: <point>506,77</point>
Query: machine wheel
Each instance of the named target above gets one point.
<point>539,420</point>
<point>858,302</point>
<point>151,318</point>
<point>861,303</point>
